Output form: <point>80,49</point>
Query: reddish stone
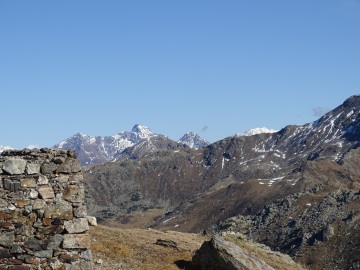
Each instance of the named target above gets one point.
<point>19,267</point>
<point>4,216</point>
<point>6,225</point>
<point>46,192</point>
<point>20,202</point>
<point>33,260</point>
<point>14,261</point>
<point>60,267</point>
<point>46,221</point>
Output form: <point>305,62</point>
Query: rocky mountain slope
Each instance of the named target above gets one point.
<point>318,228</point>
<point>127,144</point>
<point>256,168</point>
<point>197,188</point>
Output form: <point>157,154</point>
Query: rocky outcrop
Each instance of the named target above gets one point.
<point>220,254</point>
<point>320,229</point>
<point>43,219</point>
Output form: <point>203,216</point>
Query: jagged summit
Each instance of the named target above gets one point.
<point>193,140</point>
<point>104,148</point>
<point>143,131</point>
<point>255,131</point>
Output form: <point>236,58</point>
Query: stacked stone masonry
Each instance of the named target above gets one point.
<point>43,219</point>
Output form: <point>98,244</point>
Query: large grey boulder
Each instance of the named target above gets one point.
<point>14,166</point>
<point>219,254</point>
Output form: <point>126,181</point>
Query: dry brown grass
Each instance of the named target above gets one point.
<point>136,249</point>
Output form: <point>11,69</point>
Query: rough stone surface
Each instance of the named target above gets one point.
<point>76,241</point>
<point>91,220</point>
<point>7,239</point>
<point>43,222</point>
<point>43,180</point>
<point>32,168</point>
<point>28,183</point>
<point>71,165</point>
<point>39,204</point>
<point>62,210</point>
<point>219,254</point>
<point>46,192</point>
<point>76,225</point>
<point>74,194</point>
<point>14,166</point>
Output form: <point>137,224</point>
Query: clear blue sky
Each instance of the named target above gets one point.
<point>212,67</point>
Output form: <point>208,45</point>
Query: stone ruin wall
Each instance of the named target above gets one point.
<point>43,219</point>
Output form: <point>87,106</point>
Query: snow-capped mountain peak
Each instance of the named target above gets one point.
<point>103,148</point>
<point>193,140</point>
<point>142,131</point>
<point>254,131</point>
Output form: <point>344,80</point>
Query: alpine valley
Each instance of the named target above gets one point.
<point>297,190</point>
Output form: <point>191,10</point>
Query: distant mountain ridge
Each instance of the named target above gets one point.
<point>103,148</point>
<point>126,144</point>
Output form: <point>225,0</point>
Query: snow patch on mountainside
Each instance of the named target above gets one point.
<point>255,131</point>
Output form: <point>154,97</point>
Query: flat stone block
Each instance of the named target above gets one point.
<point>71,165</point>
<point>32,168</point>
<point>48,168</point>
<point>28,183</point>
<point>76,241</point>
<point>62,210</point>
<point>76,225</point>
<point>11,185</point>
<point>44,253</point>
<point>46,192</point>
